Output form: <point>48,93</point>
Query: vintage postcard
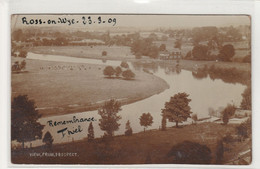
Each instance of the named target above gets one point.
<point>131,89</point>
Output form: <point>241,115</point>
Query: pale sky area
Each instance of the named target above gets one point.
<point>143,21</point>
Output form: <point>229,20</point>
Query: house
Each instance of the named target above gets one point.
<point>164,55</point>
<point>175,53</point>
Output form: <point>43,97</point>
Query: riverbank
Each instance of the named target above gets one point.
<point>62,88</point>
<point>124,53</point>
<point>136,148</point>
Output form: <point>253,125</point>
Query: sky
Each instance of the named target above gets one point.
<point>140,21</point>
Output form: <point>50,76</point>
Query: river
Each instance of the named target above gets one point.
<point>204,93</point>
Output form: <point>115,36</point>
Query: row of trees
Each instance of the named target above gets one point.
<point>25,116</point>
<point>26,128</point>
<point>202,52</point>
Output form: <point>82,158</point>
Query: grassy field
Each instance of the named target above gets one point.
<point>135,149</point>
<point>78,87</point>
<point>122,52</point>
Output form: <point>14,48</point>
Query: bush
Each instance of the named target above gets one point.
<point>189,152</point>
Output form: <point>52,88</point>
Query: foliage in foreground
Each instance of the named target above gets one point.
<point>189,152</point>
<point>24,117</point>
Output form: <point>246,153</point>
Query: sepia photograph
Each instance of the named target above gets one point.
<point>131,89</point>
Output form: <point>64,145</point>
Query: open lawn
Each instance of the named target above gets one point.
<point>60,88</point>
<point>133,149</point>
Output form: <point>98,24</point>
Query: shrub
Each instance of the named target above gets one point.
<point>189,152</point>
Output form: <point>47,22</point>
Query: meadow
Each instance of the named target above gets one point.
<point>113,52</point>
<point>61,88</point>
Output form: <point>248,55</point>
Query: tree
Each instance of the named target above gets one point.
<point>178,43</point>
<point>124,64</point>
<point>24,117</point>
<point>162,47</point>
<point>246,103</point>
<point>90,132</point>
<point>177,109</point>
<point>189,152</point>
<point>200,52</point>
<point>104,53</point>
<point>153,52</point>
<point>118,71</point>
<point>22,54</point>
<point>146,119</point>
<point>109,117</point>
<point>48,139</point>
<point>226,52</point>
<point>109,71</point>
<point>128,129</point>
<point>128,74</point>
<point>227,113</point>
<point>194,118</point>
<point>23,65</point>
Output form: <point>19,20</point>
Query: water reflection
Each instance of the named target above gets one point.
<point>228,75</point>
